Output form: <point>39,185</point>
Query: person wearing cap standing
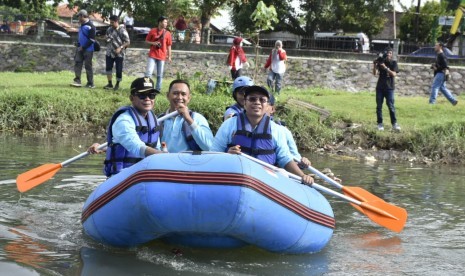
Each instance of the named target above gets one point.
<point>133,131</point>
<point>189,130</point>
<point>276,62</point>
<point>238,96</point>
<point>236,58</point>
<point>160,50</point>
<point>253,132</point>
<point>117,41</point>
<point>85,50</point>
<point>439,80</point>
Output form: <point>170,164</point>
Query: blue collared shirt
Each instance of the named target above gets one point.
<point>174,137</point>
<point>291,143</point>
<point>226,131</point>
<point>124,133</point>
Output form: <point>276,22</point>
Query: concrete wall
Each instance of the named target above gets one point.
<point>341,72</point>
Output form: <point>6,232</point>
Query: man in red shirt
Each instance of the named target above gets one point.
<point>160,50</point>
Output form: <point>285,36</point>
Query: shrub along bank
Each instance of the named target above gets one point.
<point>45,103</point>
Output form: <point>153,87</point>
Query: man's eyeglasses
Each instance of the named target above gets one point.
<point>142,96</point>
<point>253,99</point>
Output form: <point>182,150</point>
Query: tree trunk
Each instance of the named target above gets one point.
<point>205,34</point>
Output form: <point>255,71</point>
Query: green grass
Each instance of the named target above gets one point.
<point>46,103</point>
<point>435,131</point>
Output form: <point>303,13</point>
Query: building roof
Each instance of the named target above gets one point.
<point>66,27</point>
<point>64,12</point>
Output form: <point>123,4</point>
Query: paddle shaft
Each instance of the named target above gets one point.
<point>376,209</point>
<point>104,145</point>
<point>82,155</point>
<point>39,175</point>
<point>298,178</point>
<point>325,177</point>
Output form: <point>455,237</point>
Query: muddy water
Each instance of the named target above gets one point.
<point>40,231</point>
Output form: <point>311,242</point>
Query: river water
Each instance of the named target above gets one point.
<point>41,234</point>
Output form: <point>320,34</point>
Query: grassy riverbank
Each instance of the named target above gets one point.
<point>45,103</point>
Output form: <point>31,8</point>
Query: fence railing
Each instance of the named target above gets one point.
<point>335,43</point>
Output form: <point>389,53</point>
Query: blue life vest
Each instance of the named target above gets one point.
<point>118,157</point>
<point>186,132</point>
<point>257,143</point>
<point>236,107</point>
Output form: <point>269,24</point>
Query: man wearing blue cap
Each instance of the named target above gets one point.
<point>254,133</point>
<point>133,132</point>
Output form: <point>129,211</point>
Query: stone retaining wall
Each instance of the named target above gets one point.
<point>302,72</point>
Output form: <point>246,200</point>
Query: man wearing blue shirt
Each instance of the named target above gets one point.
<point>189,130</point>
<point>252,132</point>
<point>85,50</point>
<point>303,161</point>
<point>133,131</point>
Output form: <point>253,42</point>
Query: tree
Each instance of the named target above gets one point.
<point>209,8</point>
<point>350,16</point>
<point>40,9</point>
<point>453,4</point>
<point>147,11</point>
<point>319,15</point>
<point>288,18</point>
<point>427,22</point>
<point>263,18</point>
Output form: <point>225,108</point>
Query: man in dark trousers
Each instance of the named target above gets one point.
<point>439,80</point>
<point>117,41</point>
<point>85,50</point>
<point>387,69</point>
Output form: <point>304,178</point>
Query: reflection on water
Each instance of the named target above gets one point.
<point>23,249</point>
<point>40,231</point>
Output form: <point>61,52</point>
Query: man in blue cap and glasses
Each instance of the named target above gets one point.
<point>133,131</point>
<point>254,133</point>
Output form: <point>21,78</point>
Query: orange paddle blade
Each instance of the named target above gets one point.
<point>385,214</point>
<point>359,194</point>
<point>36,176</point>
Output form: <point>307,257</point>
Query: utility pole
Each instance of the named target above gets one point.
<point>417,19</point>
<point>394,27</point>
<point>395,40</point>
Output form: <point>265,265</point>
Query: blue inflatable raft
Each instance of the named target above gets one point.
<point>208,200</point>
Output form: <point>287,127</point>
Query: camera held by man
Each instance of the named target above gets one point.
<point>381,59</point>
